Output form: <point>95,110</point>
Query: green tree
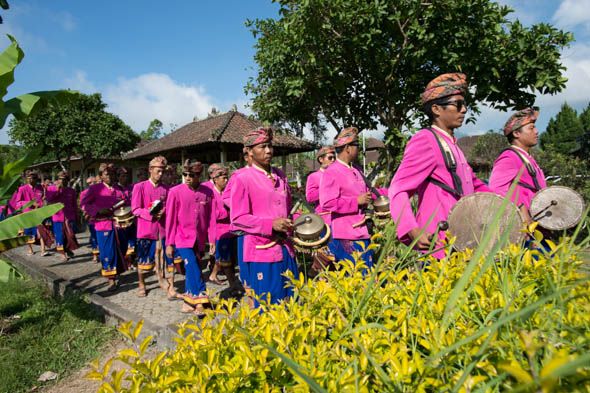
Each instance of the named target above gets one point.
<point>81,127</point>
<point>570,171</point>
<point>153,132</point>
<point>584,151</point>
<point>365,63</point>
<point>563,131</point>
<point>487,148</point>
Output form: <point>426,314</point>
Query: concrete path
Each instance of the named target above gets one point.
<point>81,274</point>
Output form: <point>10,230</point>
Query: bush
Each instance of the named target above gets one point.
<point>517,318</point>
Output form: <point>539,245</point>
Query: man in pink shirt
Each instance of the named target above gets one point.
<point>148,205</point>
<point>439,183</point>
<point>260,204</point>
<point>98,202</point>
<point>31,191</point>
<point>224,239</point>
<point>91,229</point>
<point>212,261</point>
<point>344,193</point>
<point>64,221</point>
<point>188,217</point>
<point>130,233</point>
<point>226,198</point>
<point>517,161</point>
<point>326,156</point>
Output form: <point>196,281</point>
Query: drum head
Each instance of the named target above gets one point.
<point>557,208</point>
<point>473,214</point>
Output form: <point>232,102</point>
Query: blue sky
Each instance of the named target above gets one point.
<point>175,60</point>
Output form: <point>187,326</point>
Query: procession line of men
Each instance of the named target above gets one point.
<point>247,214</point>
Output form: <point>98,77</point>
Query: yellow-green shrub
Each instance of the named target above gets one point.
<point>520,319</point>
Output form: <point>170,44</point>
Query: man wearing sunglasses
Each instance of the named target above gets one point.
<point>189,225</point>
<point>433,166</point>
<point>326,156</point>
<point>150,223</point>
<point>344,193</point>
<point>226,198</point>
<point>522,134</point>
<point>260,204</point>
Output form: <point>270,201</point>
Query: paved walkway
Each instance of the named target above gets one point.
<point>81,274</point>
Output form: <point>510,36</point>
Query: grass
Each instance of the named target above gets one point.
<point>39,333</point>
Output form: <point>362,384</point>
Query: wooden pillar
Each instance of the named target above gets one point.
<point>223,155</point>
<point>182,156</point>
<point>284,163</point>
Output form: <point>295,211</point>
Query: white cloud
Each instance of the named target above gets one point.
<point>573,13</point>
<point>65,20</point>
<point>79,81</point>
<point>141,99</point>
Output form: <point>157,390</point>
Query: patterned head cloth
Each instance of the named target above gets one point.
<point>106,166</point>
<point>519,119</point>
<point>122,171</point>
<point>63,175</point>
<point>258,136</point>
<point>325,150</point>
<point>194,166</point>
<point>31,173</point>
<point>158,161</point>
<point>445,85</point>
<point>212,168</point>
<point>346,136</point>
<point>219,170</point>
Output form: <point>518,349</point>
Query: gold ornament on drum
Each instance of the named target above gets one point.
<point>123,216</point>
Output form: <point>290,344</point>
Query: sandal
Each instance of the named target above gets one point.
<point>141,292</point>
<point>215,281</point>
<point>45,254</point>
<point>185,310</point>
<point>113,286</point>
<point>199,311</point>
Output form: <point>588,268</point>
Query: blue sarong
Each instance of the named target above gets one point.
<point>223,249</point>
<point>342,250</point>
<point>146,254</point>
<point>195,288</point>
<point>111,253</point>
<point>267,278</point>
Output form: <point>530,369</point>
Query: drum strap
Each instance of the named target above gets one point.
<point>530,169</point>
<point>451,164</point>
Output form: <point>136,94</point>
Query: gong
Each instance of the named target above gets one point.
<point>473,214</point>
<point>557,208</point>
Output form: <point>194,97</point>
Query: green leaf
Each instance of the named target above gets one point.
<point>9,228</point>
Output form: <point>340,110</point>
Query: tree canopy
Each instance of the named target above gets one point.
<point>80,127</point>
<point>153,132</point>
<point>348,62</point>
<point>564,131</point>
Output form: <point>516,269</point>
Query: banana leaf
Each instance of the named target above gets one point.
<point>9,228</point>
<point>7,244</point>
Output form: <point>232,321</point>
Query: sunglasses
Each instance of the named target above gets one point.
<point>354,144</point>
<point>459,104</point>
<point>189,174</point>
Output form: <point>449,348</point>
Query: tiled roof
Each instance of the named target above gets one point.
<point>229,127</point>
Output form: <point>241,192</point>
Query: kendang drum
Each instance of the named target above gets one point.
<point>557,208</point>
<point>123,217</point>
<point>473,214</point>
<point>310,232</point>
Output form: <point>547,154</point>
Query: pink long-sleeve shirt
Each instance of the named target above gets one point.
<point>100,196</point>
<point>143,196</point>
<point>340,186</point>
<point>221,212</point>
<point>67,196</point>
<point>189,218</point>
<point>226,195</point>
<point>26,193</point>
<point>423,159</point>
<point>506,169</point>
<point>312,194</point>
<point>256,201</point>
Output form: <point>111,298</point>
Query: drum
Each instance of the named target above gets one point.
<point>310,232</point>
<point>557,208</point>
<point>473,214</point>
<point>123,217</point>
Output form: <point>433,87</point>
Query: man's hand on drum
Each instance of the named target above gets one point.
<point>423,237</point>
<point>282,225</point>
<point>364,199</point>
<point>170,251</point>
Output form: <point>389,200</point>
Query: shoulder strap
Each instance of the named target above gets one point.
<point>451,164</point>
<point>530,169</point>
